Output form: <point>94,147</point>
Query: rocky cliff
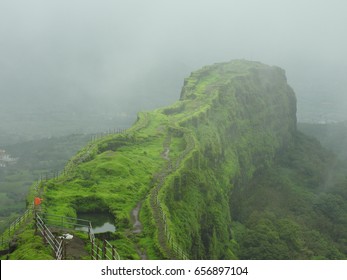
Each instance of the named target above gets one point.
<point>168,181</point>
<point>235,117</point>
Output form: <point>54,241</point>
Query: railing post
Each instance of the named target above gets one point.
<point>35,223</point>
<point>113,253</point>
<point>92,252</point>
<point>44,233</point>
<point>97,251</point>
<point>63,253</point>
<point>104,250</point>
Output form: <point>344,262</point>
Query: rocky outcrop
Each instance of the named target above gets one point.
<point>239,115</point>
<point>182,163</point>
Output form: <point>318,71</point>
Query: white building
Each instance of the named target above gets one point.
<point>6,159</point>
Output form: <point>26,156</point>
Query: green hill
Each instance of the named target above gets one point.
<point>221,174</point>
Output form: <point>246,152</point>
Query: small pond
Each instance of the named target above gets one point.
<point>101,222</point>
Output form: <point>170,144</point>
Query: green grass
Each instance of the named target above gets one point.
<point>231,123</point>
<point>31,247</point>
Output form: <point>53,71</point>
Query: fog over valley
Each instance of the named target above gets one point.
<point>87,66</point>
<point>174,130</point>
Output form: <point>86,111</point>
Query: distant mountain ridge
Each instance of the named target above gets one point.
<point>189,174</point>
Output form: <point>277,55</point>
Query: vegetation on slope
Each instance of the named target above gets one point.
<point>332,136</point>
<point>36,158</point>
<point>294,210</point>
<point>212,173</point>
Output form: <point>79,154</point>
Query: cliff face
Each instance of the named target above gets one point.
<point>241,115</point>
<point>251,107</point>
<point>181,163</point>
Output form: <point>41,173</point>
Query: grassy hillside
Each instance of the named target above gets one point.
<point>220,174</point>
<point>36,158</point>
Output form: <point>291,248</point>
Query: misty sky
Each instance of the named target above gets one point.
<point>116,55</point>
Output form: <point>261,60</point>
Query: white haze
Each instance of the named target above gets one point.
<point>107,59</point>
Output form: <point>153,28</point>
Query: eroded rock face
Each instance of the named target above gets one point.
<point>248,105</point>
<point>183,162</point>
<point>240,114</point>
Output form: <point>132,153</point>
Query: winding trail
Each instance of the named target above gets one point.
<point>154,201</point>
<point>171,250</point>
<point>169,247</point>
<point>137,229</point>
<point>137,226</point>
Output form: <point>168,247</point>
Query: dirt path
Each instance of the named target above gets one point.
<point>158,214</point>
<point>171,251</point>
<point>154,202</point>
<point>165,154</point>
<point>137,226</point>
<point>137,229</point>
<point>75,249</point>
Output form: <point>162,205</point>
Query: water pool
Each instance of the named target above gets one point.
<point>101,222</point>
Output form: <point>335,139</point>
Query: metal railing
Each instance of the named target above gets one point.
<point>104,251</point>
<point>175,251</point>
<point>59,221</point>
<point>8,234</point>
<point>56,244</point>
<point>65,222</point>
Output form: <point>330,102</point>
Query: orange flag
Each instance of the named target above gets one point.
<point>37,201</point>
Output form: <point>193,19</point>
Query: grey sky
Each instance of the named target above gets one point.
<point>69,51</point>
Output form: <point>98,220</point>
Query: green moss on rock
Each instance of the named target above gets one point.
<point>229,124</point>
